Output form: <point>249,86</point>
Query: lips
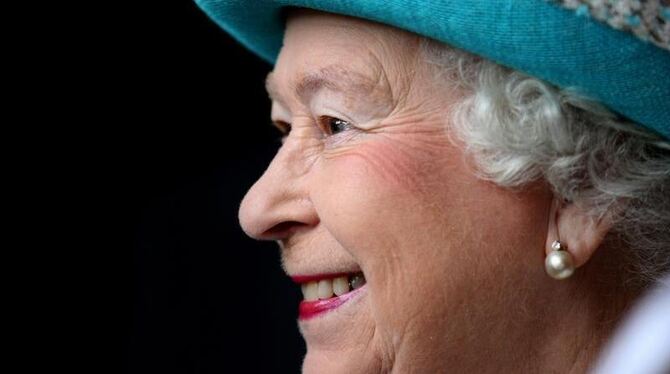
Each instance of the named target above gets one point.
<point>325,292</point>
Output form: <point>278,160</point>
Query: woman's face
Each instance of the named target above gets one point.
<point>368,181</point>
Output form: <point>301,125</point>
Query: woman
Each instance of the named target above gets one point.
<point>443,213</point>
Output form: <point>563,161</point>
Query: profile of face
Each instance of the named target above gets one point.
<point>369,181</point>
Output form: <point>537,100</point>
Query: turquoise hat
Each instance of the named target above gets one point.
<point>616,52</point>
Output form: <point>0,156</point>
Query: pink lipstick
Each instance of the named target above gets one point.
<point>325,292</point>
<point>309,309</point>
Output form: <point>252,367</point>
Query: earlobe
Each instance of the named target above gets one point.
<point>579,232</point>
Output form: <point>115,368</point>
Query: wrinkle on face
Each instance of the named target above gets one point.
<point>393,195</point>
<point>403,154</point>
<point>398,148</point>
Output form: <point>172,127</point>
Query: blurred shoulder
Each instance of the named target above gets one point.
<point>642,343</point>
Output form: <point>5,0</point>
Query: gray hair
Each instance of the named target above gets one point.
<point>520,129</point>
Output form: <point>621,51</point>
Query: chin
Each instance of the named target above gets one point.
<point>342,339</point>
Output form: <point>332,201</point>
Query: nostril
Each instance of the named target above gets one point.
<point>282,230</point>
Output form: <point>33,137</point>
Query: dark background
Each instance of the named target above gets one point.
<point>178,122</point>
<point>132,132</point>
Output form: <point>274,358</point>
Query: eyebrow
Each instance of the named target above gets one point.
<point>334,78</point>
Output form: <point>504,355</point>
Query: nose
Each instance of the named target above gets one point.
<point>279,202</point>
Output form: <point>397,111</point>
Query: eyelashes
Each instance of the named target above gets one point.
<point>284,127</point>
<point>334,125</point>
<point>331,126</point>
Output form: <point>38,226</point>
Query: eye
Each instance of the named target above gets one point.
<point>334,125</point>
<point>283,127</point>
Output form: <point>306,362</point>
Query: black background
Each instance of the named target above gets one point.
<point>173,129</point>
<point>202,297</point>
<point>132,132</point>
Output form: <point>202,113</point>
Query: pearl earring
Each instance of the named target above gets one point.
<point>559,263</point>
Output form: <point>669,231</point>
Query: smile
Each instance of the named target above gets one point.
<point>323,293</point>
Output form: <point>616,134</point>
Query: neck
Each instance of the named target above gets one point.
<point>581,315</point>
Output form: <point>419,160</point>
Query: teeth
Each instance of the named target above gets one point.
<point>357,281</point>
<point>340,286</point>
<point>325,289</point>
<point>310,291</point>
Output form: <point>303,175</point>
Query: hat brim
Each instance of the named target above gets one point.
<point>626,74</point>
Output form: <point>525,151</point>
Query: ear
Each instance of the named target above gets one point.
<point>580,233</point>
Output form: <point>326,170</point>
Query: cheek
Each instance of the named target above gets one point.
<point>385,203</point>
<point>365,192</point>
<point>428,235</point>
<point>398,164</point>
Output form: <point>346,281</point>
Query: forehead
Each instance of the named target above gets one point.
<point>336,78</point>
<point>340,53</point>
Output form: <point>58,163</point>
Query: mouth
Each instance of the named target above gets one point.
<point>326,292</point>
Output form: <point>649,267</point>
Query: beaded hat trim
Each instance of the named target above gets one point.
<point>649,20</point>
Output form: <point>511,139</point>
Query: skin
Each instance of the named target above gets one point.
<point>454,264</point>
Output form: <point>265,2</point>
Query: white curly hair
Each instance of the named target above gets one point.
<point>519,129</point>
